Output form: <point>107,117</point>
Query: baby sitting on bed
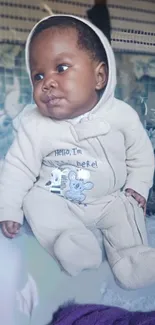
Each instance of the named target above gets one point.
<point>81,159</point>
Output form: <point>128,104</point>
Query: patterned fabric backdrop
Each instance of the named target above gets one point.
<point>133,23</point>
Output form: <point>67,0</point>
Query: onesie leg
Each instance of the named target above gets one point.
<point>77,250</point>
<point>125,239</point>
<point>61,232</point>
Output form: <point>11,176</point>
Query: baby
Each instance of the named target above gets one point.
<point>81,160</point>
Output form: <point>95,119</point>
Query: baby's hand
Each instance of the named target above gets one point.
<point>139,198</point>
<point>10,228</point>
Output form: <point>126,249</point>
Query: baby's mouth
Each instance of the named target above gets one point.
<point>51,100</point>
<point>50,97</point>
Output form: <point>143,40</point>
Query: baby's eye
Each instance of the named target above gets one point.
<point>38,77</point>
<point>62,67</point>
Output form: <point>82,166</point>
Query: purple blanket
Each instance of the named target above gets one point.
<point>75,314</point>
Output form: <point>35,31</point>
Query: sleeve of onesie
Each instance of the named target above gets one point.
<point>139,156</point>
<point>20,170</point>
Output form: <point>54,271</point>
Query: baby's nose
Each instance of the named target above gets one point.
<point>49,82</point>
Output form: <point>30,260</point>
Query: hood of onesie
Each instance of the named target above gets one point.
<point>108,93</point>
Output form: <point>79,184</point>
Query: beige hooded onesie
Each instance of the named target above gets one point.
<point>68,179</point>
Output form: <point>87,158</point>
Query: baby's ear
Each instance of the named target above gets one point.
<point>101,76</point>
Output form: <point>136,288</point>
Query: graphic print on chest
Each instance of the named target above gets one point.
<point>70,174</point>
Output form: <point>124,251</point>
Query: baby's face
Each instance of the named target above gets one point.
<point>64,77</point>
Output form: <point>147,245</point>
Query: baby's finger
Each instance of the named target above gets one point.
<point>10,227</point>
<point>142,205</point>
<point>16,227</point>
<point>6,231</point>
<point>142,201</point>
<point>136,196</point>
<point>144,209</point>
<point>128,192</point>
